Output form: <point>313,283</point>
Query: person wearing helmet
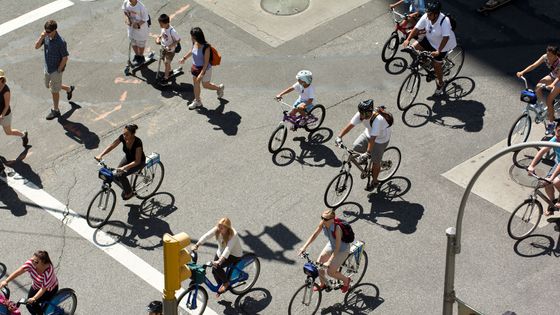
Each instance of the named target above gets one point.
<point>155,308</point>
<point>416,8</point>
<point>303,87</point>
<point>375,138</point>
<point>439,38</point>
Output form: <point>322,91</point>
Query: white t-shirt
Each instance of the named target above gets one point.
<point>137,13</point>
<point>380,128</point>
<point>435,32</point>
<point>169,36</point>
<point>304,93</point>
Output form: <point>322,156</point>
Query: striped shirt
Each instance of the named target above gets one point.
<point>46,280</point>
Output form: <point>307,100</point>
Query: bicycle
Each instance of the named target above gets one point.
<point>64,302</point>
<point>421,66</point>
<point>521,128</point>
<point>392,44</point>
<point>303,302</point>
<point>310,122</point>
<point>103,203</point>
<point>526,217</point>
<point>242,277</point>
<point>341,184</point>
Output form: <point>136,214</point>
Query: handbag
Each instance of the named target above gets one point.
<point>195,71</point>
<point>178,48</point>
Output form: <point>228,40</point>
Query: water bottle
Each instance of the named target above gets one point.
<point>152,159</point>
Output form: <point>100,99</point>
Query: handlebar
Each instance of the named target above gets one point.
<point>540,178</point>
<point>400,15</point>
<point>279,100</point>
<point>542,85</point>
<point>305,255</point>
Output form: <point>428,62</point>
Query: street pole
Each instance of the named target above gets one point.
<point>169,305</point>
<point>448,286</point>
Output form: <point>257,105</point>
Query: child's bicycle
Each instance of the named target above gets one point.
<point>145,184</point>
<point>392,44</point>
<point>312,121</point>
<point>242,277</point>
<point>306,300</point>
<point>64,302</point>
<point>340,186</point>
<point>521,128</point>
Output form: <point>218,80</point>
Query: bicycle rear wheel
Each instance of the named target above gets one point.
<point>316,117</point>
<point>277,139</point>
<point>389,163</point>
<point>524,219</point>
<point>519,131</point>
<point>101,207</point>
<point>408,91</point>
<point>245,274</point>
<point>192,301</point>
<point>353,268</point>
<point>64,302</point>
<point>338,189</point>
<point>390,47</point>
<point>305,300</point>
<point>148,181</point>
<point>453,62</point>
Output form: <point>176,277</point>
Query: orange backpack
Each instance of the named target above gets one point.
<point>215,57</point>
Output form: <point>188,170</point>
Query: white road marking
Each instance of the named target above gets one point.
<point>34,15</point>
<point>78,223</point>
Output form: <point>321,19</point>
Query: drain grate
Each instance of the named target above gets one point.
<point>284,7</point>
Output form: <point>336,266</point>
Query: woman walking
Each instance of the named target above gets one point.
<point>6,112</point>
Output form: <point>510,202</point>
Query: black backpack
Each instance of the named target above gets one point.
<point>347,232</point>
<point>452,21</point>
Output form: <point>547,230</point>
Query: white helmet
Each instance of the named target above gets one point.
<point>305,76</point>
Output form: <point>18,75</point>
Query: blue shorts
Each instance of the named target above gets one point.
<point>552,170</point>
<point>307,107</point>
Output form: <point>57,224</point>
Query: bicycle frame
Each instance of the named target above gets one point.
<point>530,106</point>
<point>352,155</point>
<point>398,18</point>
<point>297,121</point>
<point>537,191</point>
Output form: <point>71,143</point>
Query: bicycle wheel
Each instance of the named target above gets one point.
<point>245,274</point>
<point>192,301</point>
<point>305,300</point>
<point>64,302</point>
<point>338,189</point>
<point>101,207</point>
<point>523,158</point>
<point>148,181</point>
<point>453,62</point>
<point>390,47</point>
<point>519,131</point>
<point>389,163</point>
<point>316,117</point>
<point>354,269</point>
<point>408,91</point>
<point>277,139</point>
<point>524,219</point>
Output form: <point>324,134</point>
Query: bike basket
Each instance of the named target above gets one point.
<point>198,273</point>
<point>105,174</point>
<point>528,96</point>
<point>310,270</point>
<point>152,159</point>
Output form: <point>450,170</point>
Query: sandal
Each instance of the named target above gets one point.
<point>346,287</point>
<point>319,287</point>
<point>223,288</point>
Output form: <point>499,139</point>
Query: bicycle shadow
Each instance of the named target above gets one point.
<point>78,131</point>
<point>312,148</point>
<point>455,114</point>
<point>536,245</point>
<point>228,122</point>
<point>285,238</point>
<point>22,168</point>
<point>254,301</point>
<point>362,299</point>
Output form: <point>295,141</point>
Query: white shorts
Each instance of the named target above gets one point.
<point>138,43</point>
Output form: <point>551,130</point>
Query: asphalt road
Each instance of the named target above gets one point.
<point>217,163</point>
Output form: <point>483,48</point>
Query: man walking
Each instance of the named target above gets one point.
<point>56,57</point>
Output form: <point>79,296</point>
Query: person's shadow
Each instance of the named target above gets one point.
<point>24,169</point>
<point>78,131</point>
<point>11,201</point>
<point>228,122</point>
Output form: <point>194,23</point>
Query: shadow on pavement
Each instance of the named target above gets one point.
<point>313,151</point>
<point>10,200</point>
<point>22,168</point>
<point>228,122</point>
<point>285,238</point>
<point>362,299</point>
<point>537,245</point>
<point>254,301</point>
<point>78,131</point>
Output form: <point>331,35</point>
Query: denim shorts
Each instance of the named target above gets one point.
<point>307,107</point>
<point>552,170</point>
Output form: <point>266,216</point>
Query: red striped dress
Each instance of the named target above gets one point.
<point>47,279</point>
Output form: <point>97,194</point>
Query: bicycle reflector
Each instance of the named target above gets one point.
<point>528,96</point>
<point>310,270</point>
<point>105,174</point>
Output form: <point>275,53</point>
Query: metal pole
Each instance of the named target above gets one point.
<point>170,306</point>
<point>448,287</point>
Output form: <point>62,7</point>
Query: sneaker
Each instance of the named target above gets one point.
<point>135,62</point>
<point>550,129</point>
<point>25,139</point>
<point>220,91</point>
<point>141,60</point>
<point>438,91</point>
<point>195,104</point>
<point>53,114</point>
<point>69,93</point>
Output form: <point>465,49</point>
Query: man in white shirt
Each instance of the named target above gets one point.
<point>136,17</point>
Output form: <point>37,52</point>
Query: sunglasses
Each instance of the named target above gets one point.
<point>325,219</point>
<point>35,261</point>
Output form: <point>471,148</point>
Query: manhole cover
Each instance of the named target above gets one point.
<point>284,7</point>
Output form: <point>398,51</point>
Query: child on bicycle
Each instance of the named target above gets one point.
<point>416,8</point>
<point>303,87</point>
<point>168,39</point>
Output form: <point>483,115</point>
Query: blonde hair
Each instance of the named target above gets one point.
<point>225,221</point>
<point>328,213</point>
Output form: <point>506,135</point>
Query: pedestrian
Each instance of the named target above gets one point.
<point>44,282</point>
<point>56,57</point>
<point>136,18</point>
<point>6,112</point>
<point>201,68</point>
<point>155,308</point>
<point>169,40</point>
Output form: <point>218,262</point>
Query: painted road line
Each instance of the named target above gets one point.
<point>78,223</point>
<point>34,15</point>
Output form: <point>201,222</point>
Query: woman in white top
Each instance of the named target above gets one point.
<point>229,250</point>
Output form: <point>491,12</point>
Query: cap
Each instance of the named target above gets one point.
<point>2,75</point>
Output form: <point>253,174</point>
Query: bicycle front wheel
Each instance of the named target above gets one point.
<point>390,48</point>
<point>338,189</point>
<point>408,91</point>
<point>245,274</point>
<point>148,181</point>
<point>389,163</point>
<point>316,117</point>
<point>519,131</point>
<point>453,62</point>
<point>101,207</point>
<point>305,300</point>
<point>524,219</point>
<point>193,301</point>
<point>353,268</point>
<point>277,139</point>
<point>63,302</point>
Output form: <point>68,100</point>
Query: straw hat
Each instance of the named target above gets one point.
<point>2,75</point>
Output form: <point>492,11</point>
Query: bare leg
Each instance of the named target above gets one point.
<point>375,169</point>
<point>549,102</point>
<point>167,70</point>
<point>55,97</point>
<point>323,259</point>
<point>439,73</point>
<point>65,87</point>
<point>196,88</point>
<point>12,132</point>
<point>210,86</point>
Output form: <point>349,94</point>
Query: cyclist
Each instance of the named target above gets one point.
<point>375,138</point>
<point>229,251</point>
<point>416,9</point>
<point>553,173</point>
<point>44,282</point>
<point>439,39</point>
<point>155,308</point>
<point>133,161</point>
<point>306,91</point>
<point>334,252</point>
<point>552,60</point>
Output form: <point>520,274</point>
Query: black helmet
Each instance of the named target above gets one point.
<point>365,106</point>
<point>433,6</point>
<point>155,306</point>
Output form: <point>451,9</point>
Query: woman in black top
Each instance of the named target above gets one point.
<point>133,161</point>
